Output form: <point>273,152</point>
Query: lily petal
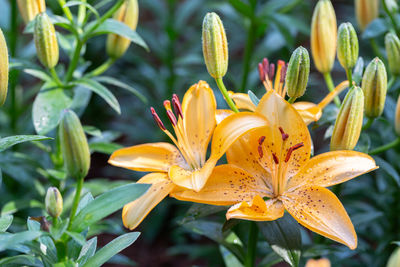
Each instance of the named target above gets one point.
<point>257,210</point>
<point>320,210</point>
<point>310,112</point>
<point>147,157</point>
<point>332,168</point>
<point>227,185</point>
<point>221,114</point>
<point>134,212</point>
<point>242,101</point>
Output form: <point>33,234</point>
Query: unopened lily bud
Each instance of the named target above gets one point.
<point>394,260</point>
<point>391,6</point>
<point>46,41</point>
<point>215,46</point>
<point>74,145</point>
<point>323,262</point>
<point>392,45</point>
<point>374,86</point>
<point>297,72</point>
<point>3,69</point>
<point>366,11</point>
<point>347,50</point>
<point>323,31</point>
<point>30,8</point>
<point>397,117</point>
<point>349,121</point>
<point>54,202</point>
<point>128,14</point>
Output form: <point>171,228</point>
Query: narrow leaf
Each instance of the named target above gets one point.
<point>5,222</point>
<point>9,240</point>
<point>10,141</point>
<point>117,83</point>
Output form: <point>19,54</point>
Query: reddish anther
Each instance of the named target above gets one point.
<point>260,151</point>
<point>284,135</point>
<point>271,72</point>
<point>261,72</point>
<point>265,64</point>
<point>276,160</point>
<point>281,63</point>
<point>157,119</point>
<point>171,117</point>
<point>291,149</point>
<point>177,106</point>
<point>283,73</point>
<point>261,140</point>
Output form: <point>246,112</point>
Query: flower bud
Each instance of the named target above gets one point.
<point>297,72</point>
<point>394,259</point>
<point>128,14</point>
<point>323,31</point>
<point>391,5</point>
<point>347,42</point>
<point>45,41</point>
<point>3,69</point>
<point>374,86</point>
<point>215,46</point>
<point>323,262</point>
<point>349,121</point>
<point>74,145</point>
<point>392,45</point>
<point>30,8</point>
<point>53,202</point>
<point>397,117</point>
<point>366,11</point>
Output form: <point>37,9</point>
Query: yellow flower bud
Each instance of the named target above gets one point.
<point>392,45</point>
<point>394,260</point>
<point>366,11</point>
<point>53,202</point>
<point>323,262</point>
<point>74,145</point>
<point>349,121</point>
<point>347,46</point>
<point>128,14</point>
<point>3,69</point>
<point>397,117</point>
<point>46,41</point>
<point>215,46</point>
<point>374,86</point>
<point>297,73</point>
<point>30,8</point>
<point>323,34</point>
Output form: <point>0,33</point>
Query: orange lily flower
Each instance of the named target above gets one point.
<point>274,162</point>
<point>310,112</point>
<point>183,165</point>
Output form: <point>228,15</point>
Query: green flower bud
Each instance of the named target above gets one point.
<point>391,6</point>
<point>30,8</point>
<point>74,145</point>
<point>297,73</point>
<point>374,85</point>
<point>215,46</point>
<point>394,260</point>
<point>392,45</point>
<point>349,121</point>
<point>3,69</point>
<point>46,41</point>
<point>397,117</point>
<point>347,42</point>
<point>128,14</point>
<point>53,202</point>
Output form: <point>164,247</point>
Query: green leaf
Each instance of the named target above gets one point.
<point>20,260</point>
<point>241,7</point>
<point>5,222</point>
<point>117,27</point>
<point>388,168</point>
<point>284,237</point>
<point>358,70</point>
<point>87,251</point>
<point>117,83</point>
<point>107,203</point>
<point>80,239</point>
<point>102,91</point>
<point>8,240</point>
<point>47,109</point>
<point>90,7</point>
<point>253,98</point>
<point>376,28</point>
<point>104,147</point>
<point>38,74</point>
<point>92,130</point>
<point>111,249</point>
<point>229,259</point>
<point>9,141</point>
<point>14,206</point>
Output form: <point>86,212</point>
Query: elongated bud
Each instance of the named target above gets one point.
<point>397,117</point>
<point>74,145</point>
<point>394,259</point>
<point>3,69</point>
<point>374,86</point>
<point>366,11</point>
<point>30,8</point>
<point>297,72</point>
<point>128,14</point>
<point>215,46</point>
<point>54,202</point>
<point>323,31</point>
<point>347,50</point>
<point>392,45</point>
<point>46,41</point>
<point>349,121</point>
<point>323,262</point>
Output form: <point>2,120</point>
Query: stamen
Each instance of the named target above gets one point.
<point>261,140</point>
<point>170,115</point>
<point>157,119</point>
<point>291,149</point>
<point>271,72</point>
<point>284,135</point>
<point>261,72</point>
<point>283,73</point>
<point>177,105</point>
<point>276,160</point>
<point>265,64</point>
<point>260,151</point>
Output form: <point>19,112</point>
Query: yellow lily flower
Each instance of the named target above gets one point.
<point>274,162</point>
<point>183,165</point>
<point>309,111</point>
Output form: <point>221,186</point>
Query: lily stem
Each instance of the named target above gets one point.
<point>224,92</point>
<point>331,87</point>
<point>368,124</point>
<point>55,77</point>
<point>349,75</point>
<point>251,245</point>
<point>79,185</point>
<point>102,68</point>
<point>391,82</point>
<point>291,100</point>
<point>383,148</point>
<point>392,19</point>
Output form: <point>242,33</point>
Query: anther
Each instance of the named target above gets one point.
<point>284,135</point>
<point>276,160</point>
<point>271,71</point>
<point>291,149</point>
<point>265,64</point>
<point>261,72</point>
<point>177,105</point>
<point>157,119</point>
<point>261,140</point>
<point>283,73</point>
<point>260,151</point>
<point>171,116</point>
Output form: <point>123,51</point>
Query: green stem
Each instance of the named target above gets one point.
<point>79,185</point>
<point>102,68</point>
<point>81,13</point>
<point>392,19</point>
<point>375,48</point>
<point>292,99</point>
<point>391,82</point>
<point>251,245</point>
<point>383,148</point>
<point>349,75</point>
<point>66,10</point>
<point>13,41</point>
<point>368,124</point>
<point>74,61</point>
<point>55,77</point>
<point>224,92</point>
<point>331,87</point>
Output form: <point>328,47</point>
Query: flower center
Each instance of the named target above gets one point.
<point>267,73</point>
